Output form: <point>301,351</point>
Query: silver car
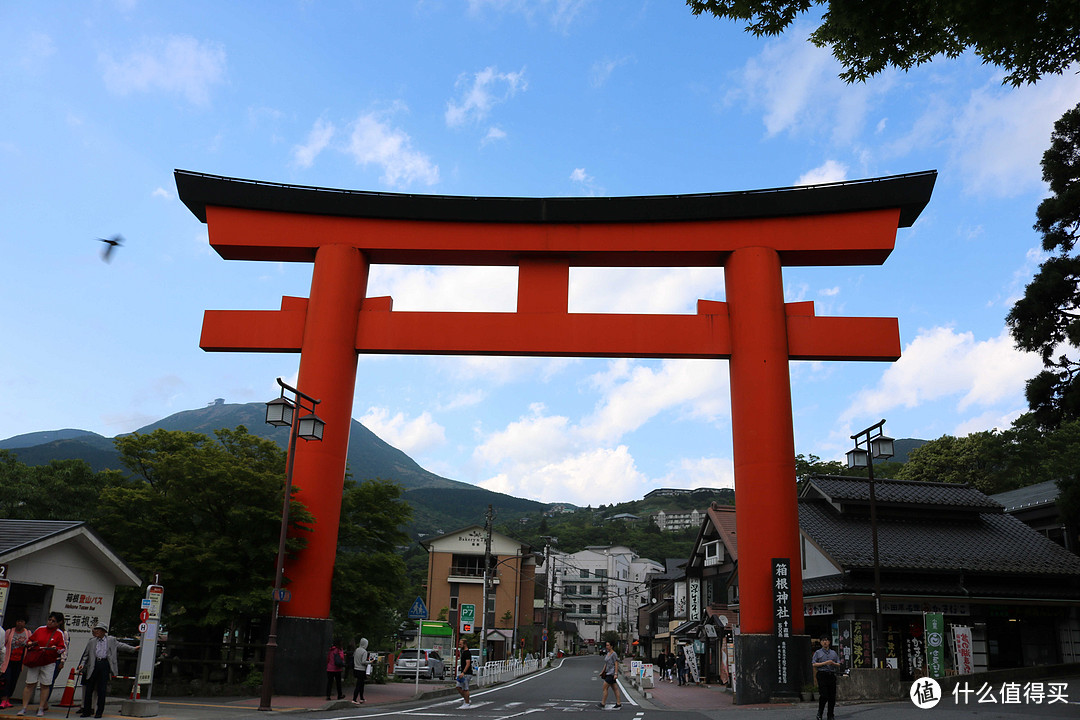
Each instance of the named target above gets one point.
<point>430,664</point>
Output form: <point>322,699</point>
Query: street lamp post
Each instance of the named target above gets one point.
<point>877,445</point>
<point>283,412</point>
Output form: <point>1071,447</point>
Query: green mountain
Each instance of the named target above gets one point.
<point>439,504</point>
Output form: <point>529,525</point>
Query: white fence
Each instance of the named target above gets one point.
<point>497,671</point>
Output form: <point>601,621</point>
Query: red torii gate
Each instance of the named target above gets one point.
<point>751,234</point>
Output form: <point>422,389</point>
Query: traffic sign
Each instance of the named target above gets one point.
<point>467,618</point>
<point>418,611</point>
<point>143,627</point>
<point>144,615</point>
<point>281,595</point>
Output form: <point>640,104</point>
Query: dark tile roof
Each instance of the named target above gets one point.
<point>15,534</point>
<point>911,493</point>
<point>991,542</point>
<point>1043,493</point>
<point>723,518</point>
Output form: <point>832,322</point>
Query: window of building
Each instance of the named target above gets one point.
<point>467,565</point>
<point>453,603</point>
<point>586,609</point>
<point>586,590</point>
<point>600,573</point>
<point>584,572</point>
<point>571,608</point>
<point>570,589</point>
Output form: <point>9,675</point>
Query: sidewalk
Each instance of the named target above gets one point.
<point>233,707</point>
<point>672,696</point>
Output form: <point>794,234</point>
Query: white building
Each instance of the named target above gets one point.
<point>601,588</point>
<point>673,521</point>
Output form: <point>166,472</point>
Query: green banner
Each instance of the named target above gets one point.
<point>934,624</point>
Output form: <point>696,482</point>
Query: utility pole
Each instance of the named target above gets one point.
<point>549,573</point>
<point>487,574</point>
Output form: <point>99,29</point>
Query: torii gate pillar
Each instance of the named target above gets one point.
<point>752,234</point>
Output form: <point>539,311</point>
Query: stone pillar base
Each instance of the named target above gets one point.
<point>756,677</point>
<point>300,663</point>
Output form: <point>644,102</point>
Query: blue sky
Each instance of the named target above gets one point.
<point>102,100</point>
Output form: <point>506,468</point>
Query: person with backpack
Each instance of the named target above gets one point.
<point>335,666</point>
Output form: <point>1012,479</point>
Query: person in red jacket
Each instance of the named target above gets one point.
<point>45,637</point>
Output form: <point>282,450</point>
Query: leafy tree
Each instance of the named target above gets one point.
<point>370,578</point>
<point>813,465</point>
<point>983,459</point>
<point>1027,39</point>
<point>1047,319</point>
<point>60,490</point>
<point>206,515</point>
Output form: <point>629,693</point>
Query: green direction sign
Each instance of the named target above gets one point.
<point>934,624</point>
<point>468,619</point>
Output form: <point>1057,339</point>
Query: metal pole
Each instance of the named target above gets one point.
<point>271,642</point>
<point>879,643</point>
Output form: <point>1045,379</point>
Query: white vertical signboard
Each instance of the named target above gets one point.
<point>149,622</point>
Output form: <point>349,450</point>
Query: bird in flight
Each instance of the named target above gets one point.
<point>111,244</point>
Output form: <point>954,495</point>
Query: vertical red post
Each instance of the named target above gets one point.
<point>767,520</point>
<point>327,372</point>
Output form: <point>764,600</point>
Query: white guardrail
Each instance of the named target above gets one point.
<point>496,671</point>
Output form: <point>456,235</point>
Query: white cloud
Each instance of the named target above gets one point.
<point>493,134</point>
<point>693,473</point>
<point>451,289</point>
<point>593,477</point>
<point>548,456</point>
<point>586,181</point>
<point>488,88</point>
<point>635,393</point>
<point>941,363</point>
<point>410,435</point>
<point>643,290</point>
<point>830,172</point>
<point>559,13</point>
<point>161,193</point>
<point>999,137</point>
<point>374,140</point>
<point>320,136</point>
<point>796,85</point>
<point>178,64</point>
<point>602,69</point>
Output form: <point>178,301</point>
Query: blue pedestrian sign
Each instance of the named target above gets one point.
<point>418,611</point>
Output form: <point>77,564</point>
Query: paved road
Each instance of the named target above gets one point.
<point>573,686</point>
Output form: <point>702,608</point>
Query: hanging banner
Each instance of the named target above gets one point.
<point>934,623</point>
<point>965,663</point>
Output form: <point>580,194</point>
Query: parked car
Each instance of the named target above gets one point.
<point>430,665</point>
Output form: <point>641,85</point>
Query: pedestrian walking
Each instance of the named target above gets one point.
<point>826,662</point>
<point>680,664</point>
<point>335,666</point>
<point>661,664</point>
<point>464,674</point>
<point>97,664</point>
<point>14,646</point>
<point>610,675</point>
<point>39,657</point>
<point>60,661</point>
<point>361,668</point>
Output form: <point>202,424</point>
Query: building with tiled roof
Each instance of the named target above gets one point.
<point>60,566</point>
<point>1037,506</point>
<point>942,547</point>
